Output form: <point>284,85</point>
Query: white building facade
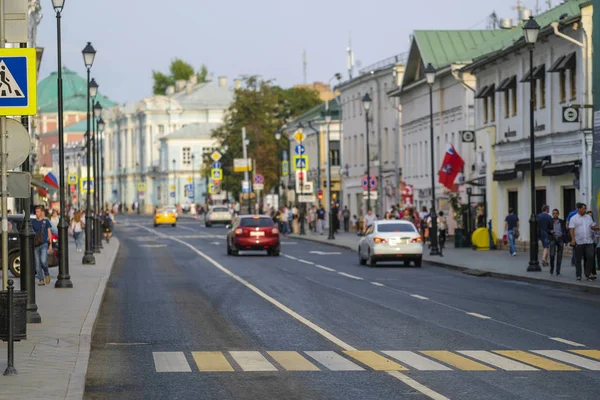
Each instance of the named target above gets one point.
<point>563,147</point>
<point>385,141</point>
<point>134,133</point>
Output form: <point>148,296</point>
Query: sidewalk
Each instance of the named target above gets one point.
<point>495,263</point>
<point>52,362</point>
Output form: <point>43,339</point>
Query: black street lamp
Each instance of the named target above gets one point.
<point>303,206</point>
<point>193,178</point>
<point>280,160</point>
<point>531,31</point>
<point>97,207</point>
<point>101,126</point>
<point>64,278</point>
<point>88,257</point>
<point>430,77</point>
<point>225,149</point>
<point>329,194</point>
<point>367,106</point>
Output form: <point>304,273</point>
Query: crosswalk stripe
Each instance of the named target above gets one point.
<point>416,361</point>
<point>292,361</point>
<point>457,361</point>
<point>252,361</point>
<point>211,361</point>
<point>570,358</point>
<point>535,360</point>
<point>501,362</point>
<point>170,361</point>
<point>334,361</point>
<point>588,353</point>
<point>375,361</point>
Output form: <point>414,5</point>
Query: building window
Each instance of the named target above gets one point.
<point>492,102</point>
<point>186,156</point>
<point>506,104</point>
<point>562,76</point>
<point>509,87</point>
<point>513,92</point>
<point>573,81</point>
<point>543,90</point>
<point>513,202</point>
<point>560,66</point>
<point>485,110</point>
<point>334,153</point>
<point>161,130</point>
<point>487,94</point>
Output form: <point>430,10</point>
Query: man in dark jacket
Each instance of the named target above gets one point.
<point>559,236</point>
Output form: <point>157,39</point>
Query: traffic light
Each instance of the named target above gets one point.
<point>320,194</point>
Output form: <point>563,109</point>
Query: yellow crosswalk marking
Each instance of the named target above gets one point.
<point>457,361</point>
<point>536,361</point>
<point>588,353</point>
<point>211,361</point>
<point>375,361</point>
<point>292,361</point>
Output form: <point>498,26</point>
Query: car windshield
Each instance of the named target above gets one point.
<point>220,209</point>
<point>256,222</point>
<point>396,228</point>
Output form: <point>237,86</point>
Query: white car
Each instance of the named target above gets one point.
<point>217,215</point>
<point>391,240</point>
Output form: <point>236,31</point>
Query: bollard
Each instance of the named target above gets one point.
<point>10,368</point>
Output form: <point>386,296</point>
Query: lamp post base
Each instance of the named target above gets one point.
<point>434,251</point>
<point>63,282</point>
<point>88,258</point>
<point>534,263</point>
<point>534,267</point>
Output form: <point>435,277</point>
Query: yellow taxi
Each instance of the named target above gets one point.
<point>165,216</point>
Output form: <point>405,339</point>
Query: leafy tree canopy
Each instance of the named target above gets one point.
<point>178,70</point>
<point>261,108</point>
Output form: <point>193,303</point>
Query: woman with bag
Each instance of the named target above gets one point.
<point>76,229</point>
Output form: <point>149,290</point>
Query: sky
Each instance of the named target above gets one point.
<point>240,37</point>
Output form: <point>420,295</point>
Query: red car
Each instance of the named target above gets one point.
<point>253,232</point>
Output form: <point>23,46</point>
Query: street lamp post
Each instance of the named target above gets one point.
<point>303,206</point>
<point>430,77</point>
<point>329,195</point>
<point>64,278</point>
<point>175,182</point>
<point>101,125</point>
<point>367,106</point>
<point>225,149</point>
<point>531,31</point>
<point>193,178</point>
<point>97,206</point>
<point>279,160</point>
<point>89,53</point>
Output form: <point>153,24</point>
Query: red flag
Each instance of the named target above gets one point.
<point>451,166</point>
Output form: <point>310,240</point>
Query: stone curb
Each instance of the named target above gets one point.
<point>499,275</point>
<point>76,386</point>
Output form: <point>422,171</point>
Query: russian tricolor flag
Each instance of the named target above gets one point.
<point>51,180</point>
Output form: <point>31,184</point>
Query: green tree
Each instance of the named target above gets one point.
<point>261,108</point>
<point>178,70</point>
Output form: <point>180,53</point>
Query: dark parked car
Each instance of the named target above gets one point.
<point>14,253</point>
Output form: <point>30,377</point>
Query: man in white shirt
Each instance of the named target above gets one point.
<point>582,228</point>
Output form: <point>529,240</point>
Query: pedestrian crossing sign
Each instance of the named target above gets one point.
<point>84,185</point>
<point>18,95</point>
<point>72,179</point>
<point>300,162</point>
<point>216,174</point>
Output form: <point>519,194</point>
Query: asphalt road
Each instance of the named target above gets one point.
<point>182,320</point>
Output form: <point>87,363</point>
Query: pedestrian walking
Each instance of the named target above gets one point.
<point>54,222</point>
<point>369,220</point>
<point>442,226</point>
<point>346,218</point>
<point>42,242</point>
<point>571,214</point>
<point>559,237</point>
<point>545,226</point>
<point>582,229</point>
<point>321,220</point>
<point>107,225</point>
<point>511,226</point>
<point>76,229</point>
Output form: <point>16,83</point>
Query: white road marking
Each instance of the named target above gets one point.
<point>153,246</point>
<point>479,315</point>
<point>325,253</point>
<point>306,262</point>
<point>334,361</point>
<point>565,341</point>
<point>215,243</point>
<point>358,278</point>
<point>171,361</point>
<point>377,284</point>
<point>262,294</point>
<point>417,386</point>
<point>570,358</point>
<point>498,361</point>
<point>416,361</point>
<point>290,257</point>
<point>416,296</point>
<point>289,242</point>
<point>252,361</point>
<point>325,268</point>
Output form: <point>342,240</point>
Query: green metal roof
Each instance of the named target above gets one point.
<point>316,113</point>
<point>74,93</point>
<point>442,48</point>
<point>77,127</point>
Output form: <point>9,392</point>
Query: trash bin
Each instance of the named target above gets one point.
<point>19,315</point>
<point>460,239</point>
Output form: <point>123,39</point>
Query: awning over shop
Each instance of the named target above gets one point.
<point>523,165</point>
<point>563,168</point>
<point>502,175</point>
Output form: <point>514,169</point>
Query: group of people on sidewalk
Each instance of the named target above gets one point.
<point>579,231</point>
<point>45,228</point>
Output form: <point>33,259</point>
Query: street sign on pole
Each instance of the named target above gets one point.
<point>246,188</point>
<point>307,198</point>
<point>285,168</point>
<point>141,187</point>
<point>16,20</point>
<point>259,186</point>
<point>300,162</point>
<point>242,165</point>
<point>217,165</point>
<point>365,184</point>
<point>306,188</point>
<point>73,179</point>
<point>373,195</point>
<point>19,184</point>
<point>299,136</point>
<point>300,149</point>
<point>84,185</point>
<point>18,93</point>
<point>258,179</point>
<point>18,142</point>
<point>216,156</point>
<point>216,174</point>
